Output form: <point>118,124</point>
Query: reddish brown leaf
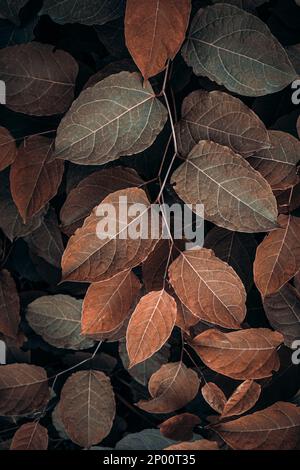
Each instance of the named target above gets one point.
<point>155,266</point>
<point>241,355</point>
<point>180,427</point>
<point>150,326</point>
<point>8,149</point>
<point>23,389</point>
<point>171,388</point>
<point>278,256</point>
<point>30,436</point>
<point>243,399</point>
<point>9,305</point>
<point>107,303</point>
<point>276,427</point>
<point>40,80</point>
<point>209,288</point>
<point>35,176</point>
<point>278,164</point>
<point>87,407</point>
<point>203,444</point>
<point>283,312</point>
<point>88,258</point>
<point>155,31</point>
<point>214,396</point>
<point>185,319</point>
<point>91,191</point>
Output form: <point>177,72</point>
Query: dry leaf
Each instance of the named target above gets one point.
<point>35,176</point>
<point>242,400</point>
<point>278,164</point>
<point>276,427</point>
<point>155,31</point>
<point>241,355</point>
<point>223,119</point>
<point>115,117</point>
<point>9,9</point>
<point>278,256</point>
<point>9,305</point>
<point>107,303</point>
<point>88,258</point>
<point>150,326</point>
<point>8,149</point>
<point>171,388</point>
<point>87,407</point>
<point>30,436</point>
<point>209,288</point>
<point>202,444</point>
<point>40,81</point>
<point>237,50</point>
<point>180,427</point>
<point>234,195</point>
<point>214,396</point>
<point>57,318</point>
<point>23,389</point>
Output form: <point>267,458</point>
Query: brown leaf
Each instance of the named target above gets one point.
<point>40,80</point>
<point>107,303</point>
<point>180,427</point>
<point>223,119</point>
<point>243,399</point>
<point>283,312</point>
<point>150,326</point>
<point>155,31</point>
<point>278,256</point>
<point>171,388</point>
<point>9,305</point>
<point>46,241</point>
<point>278,164</point>
<point>241,355</point>
<point>23,389</point>
<point>87,407</point>
<point>214,396</point>
<point>223,296</point>
<point>30,436</point>
<point>35,176</point>
<point>202,444</point>
<point>91,191</point>
<point>185,319</point>
<point>8,149</point>
<point>276,427</point>
<point>235,248</point>
<point>88,258</point>
<point>234,195</point>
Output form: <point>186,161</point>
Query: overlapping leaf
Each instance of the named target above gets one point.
<point>214,396</point>
<point>155,31</point>
<point>91,258</point>
<point>107,303</point>
<point>150,326</point>
<point>171,388</point>
<point>9,305</point>
<point>57,318</point>
<point>23,389</point>
<point>8,150</point>
<point>283,312</point>
<point>278,256</point>
<point>202,444</point>
<point>39,81</point>
<point>91,191</point>
<point>87,407</point>
<point>180,427</point>
<point>278,164</point>
<point>276,427</point>
<point>88,12</point>
<point>234,195</point>
<point>115,117</point>
<point>236,49</point>
<point>30,436</point>
<point>9,9</point>
<point>209,288</point>
<point>243,399</point>
<point>222,118</point>
<point>35,176</point>
<point>241,355</point>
